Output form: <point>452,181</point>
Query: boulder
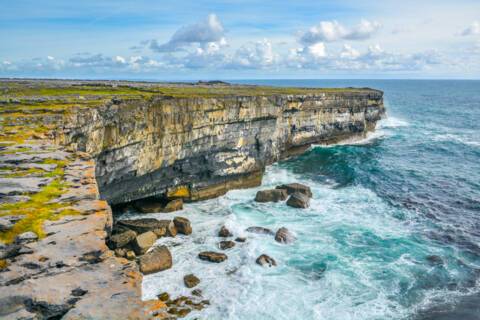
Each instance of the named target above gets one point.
<point>173,205</point>
<point>149,205</point>
<point>224,245</point>
<point>160,227</point>
<point>182,225</point>
<point>164,296</point>
<point>190,280</point>
<point>158,259</point>
<point>120,252</point>
<point>265,260</point>
<point>26,237</point>
<point>260,230</point>
<point>296,187</point>
<point>5,224</point>
<point>298,200</point>
<point>241,239</point>
<point>143,242</point>
<point>284,236</point>
<point>130,255</point>
<point>224,232</point>
<point>122,239</point>
<point>272,195</point>
<point>212,256</point>
<point>197,292</point>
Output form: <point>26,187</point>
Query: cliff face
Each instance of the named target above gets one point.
<point>200,147</point>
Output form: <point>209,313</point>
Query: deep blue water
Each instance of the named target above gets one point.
<point>393,231</point>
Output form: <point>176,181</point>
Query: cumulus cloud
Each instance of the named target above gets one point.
<point>209,30</point>
<point>255,55</point>
<point>329,31</point>
<point>473,29</point>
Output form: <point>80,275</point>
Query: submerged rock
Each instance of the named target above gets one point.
<point>283,235</point>
<point>265,260</point>
<point>182,225</point>
<point>224,245</point>
<point>260,230</point>
<point>298,200</point>
<point>296,187</point>
<point>212,256</point>
<point>241,239</point>
<point>272,195</point>
<point>143,242</point>
<point>156,260</point>
<point>191,280</point>
<point>224,232</point>
<point>435,260</point>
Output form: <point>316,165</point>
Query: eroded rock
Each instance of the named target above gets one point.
<point>260,230</point>
<point>283,235</point>
<point>158,259</point>
<point>265,260</point>
<point>296,187</point>
<point>298,200</point>
<point>272,195</point>
<point>224,245</point>
<point>211,256</point>
<point>224,232</point>
<point>143,242</point>
<point>182,225</point>
<point>122,239</point>
<point>191,280</point>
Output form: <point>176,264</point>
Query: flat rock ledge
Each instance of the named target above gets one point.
<point>71,273</point>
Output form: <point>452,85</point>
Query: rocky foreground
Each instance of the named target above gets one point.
<point>71,149</point>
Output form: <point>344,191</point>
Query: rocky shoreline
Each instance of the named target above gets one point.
<point>70,150</point>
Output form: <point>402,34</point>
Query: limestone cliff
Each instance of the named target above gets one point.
<point>200,147</point>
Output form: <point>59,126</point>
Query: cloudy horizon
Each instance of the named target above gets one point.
<point>241,39</point>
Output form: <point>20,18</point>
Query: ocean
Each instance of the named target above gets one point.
<point>393,230</point>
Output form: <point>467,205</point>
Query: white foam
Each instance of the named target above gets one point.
<point>456,138</point>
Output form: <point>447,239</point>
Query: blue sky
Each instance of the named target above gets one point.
<point>235,39</point>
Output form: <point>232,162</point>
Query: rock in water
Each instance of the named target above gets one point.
<point>183,225</point>
<point>296,187</point>
<point>241,239</point>
<point>158,259</point>
<point>122,239</point>
<point>143,242</point>
<point>224,245</point>
<point>298,200</point>
<point>173,205</point>
<point>272,195</point>
<point>260,230</point>
<point>284,236</point>
<point>224,232</point>
<point>190,280</point>
<point>265,260</point>
<point>212,256</point>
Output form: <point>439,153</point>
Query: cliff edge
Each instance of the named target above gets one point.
<point>70,149</point>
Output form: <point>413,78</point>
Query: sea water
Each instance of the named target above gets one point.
<point>393,230</point>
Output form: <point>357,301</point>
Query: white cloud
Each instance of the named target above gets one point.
<point>473,29</point>
<point>255,55</point>
<point>349,53</point>
<point>329,31</point>
<point>209,30</point>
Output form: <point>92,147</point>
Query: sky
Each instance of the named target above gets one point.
<point>240,39</point>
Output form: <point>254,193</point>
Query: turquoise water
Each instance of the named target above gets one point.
<point>381,207</point>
